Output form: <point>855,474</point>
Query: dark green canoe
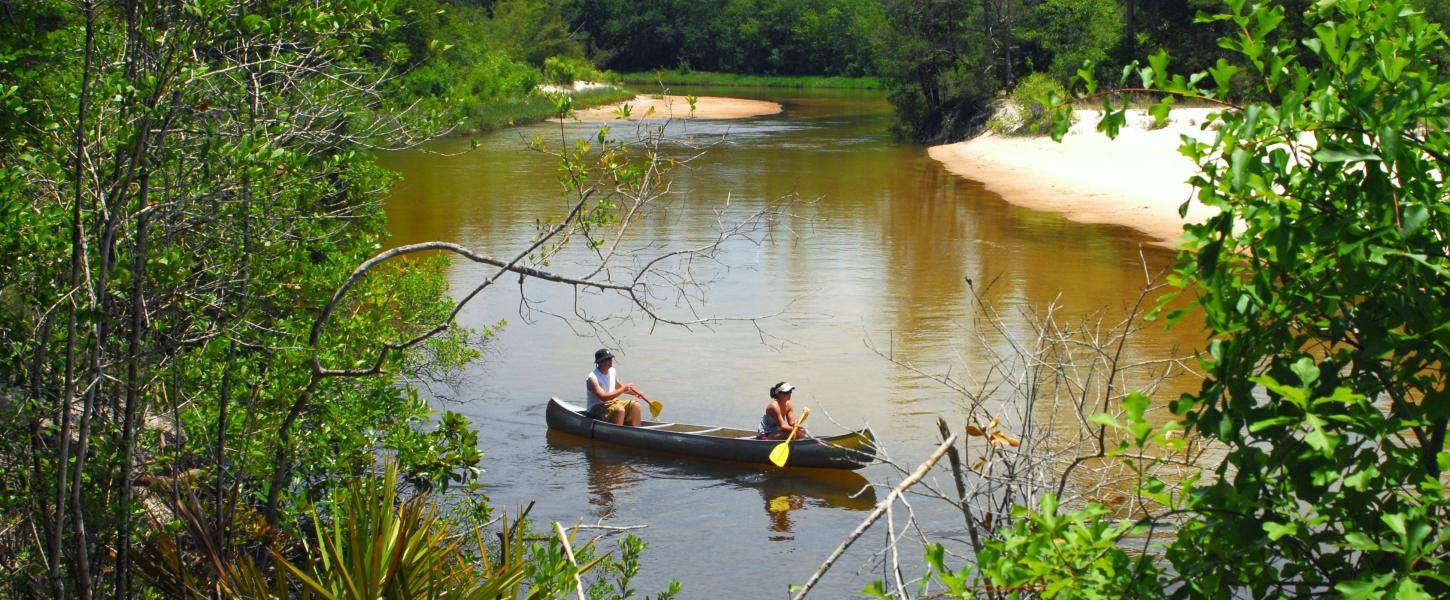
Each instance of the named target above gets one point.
<point>849,451</point>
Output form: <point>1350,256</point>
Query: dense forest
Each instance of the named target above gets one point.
<point>186,187</point>
<point>947,61</point>
<point>192,405</point>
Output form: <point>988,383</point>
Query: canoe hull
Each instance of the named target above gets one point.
<point>850,451</point>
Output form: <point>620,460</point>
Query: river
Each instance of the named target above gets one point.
<point>877,261</point>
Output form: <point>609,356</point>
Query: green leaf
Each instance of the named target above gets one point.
<point>1158,61</point>
<point>254,24</point>
<point>1238,166</point>
<point>1267,423</point>
<point>1415,217</point>
<point>1317,438</point>
<point>1361,480</point>
<point>1361,589</point>
<point>1223,73</point>
<point>1160,111</point>
<point>875,589</point>
<point>1395,521</point>
<point>1136,404</point>
<point>1307,371</point>
<point>1359,541</point>
<point>1337,152</point>
<point>1278,530</point>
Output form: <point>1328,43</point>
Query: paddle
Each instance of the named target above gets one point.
<point>782,451</point>
<point>654,405</point>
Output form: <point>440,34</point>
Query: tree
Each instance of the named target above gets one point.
<point>182,186</point>
<point>818,37</point>
<point>533,30</point>
<point>1068,33</point>
<point>1322,281</point>
<point>938,66</point>
<point>191,310</point>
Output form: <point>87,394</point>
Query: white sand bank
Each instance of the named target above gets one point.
<point>1137,180</point>
<point>677,107</point>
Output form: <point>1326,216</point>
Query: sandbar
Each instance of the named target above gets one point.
<point>678,107</point>
<point>1138,180</point>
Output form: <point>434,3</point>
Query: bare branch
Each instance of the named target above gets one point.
<point>881,508</point>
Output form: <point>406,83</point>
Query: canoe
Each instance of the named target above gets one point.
<point>849,451</point>
<point>613,468</point>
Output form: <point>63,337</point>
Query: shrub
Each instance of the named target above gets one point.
<point>1026,110</point>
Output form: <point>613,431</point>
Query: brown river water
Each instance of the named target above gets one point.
<point>881,256</point>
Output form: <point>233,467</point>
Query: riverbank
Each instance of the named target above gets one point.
<point>1137,180</point>
<point>533,108</point>
<point>649,78</point>
<point>678,107</point>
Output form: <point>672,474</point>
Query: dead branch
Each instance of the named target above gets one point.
<point>881,508</point>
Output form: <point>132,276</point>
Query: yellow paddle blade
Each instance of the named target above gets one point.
<point>780,453</point>
<point>654,408</point>
<point>782,450</point>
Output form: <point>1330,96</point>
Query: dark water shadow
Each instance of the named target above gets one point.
<point>613,469</point>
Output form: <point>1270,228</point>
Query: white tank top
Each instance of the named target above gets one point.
<point>606,383</point>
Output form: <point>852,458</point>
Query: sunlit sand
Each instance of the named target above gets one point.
<point>1138,180</point>
<point>678,107</point>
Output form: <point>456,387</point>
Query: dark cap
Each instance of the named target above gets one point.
<point>602,355</point>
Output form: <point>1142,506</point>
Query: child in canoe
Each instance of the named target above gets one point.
<point>779,419</point>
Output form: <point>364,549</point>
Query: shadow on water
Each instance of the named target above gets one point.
<point>613,469</point>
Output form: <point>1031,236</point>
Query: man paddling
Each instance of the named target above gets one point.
<point>602,391</point>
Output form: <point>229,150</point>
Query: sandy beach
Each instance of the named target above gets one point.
<point>1137,180</point>
<point>677,107</point>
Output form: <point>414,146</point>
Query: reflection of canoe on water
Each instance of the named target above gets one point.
<point>849,451</point>
<point>613,468</point>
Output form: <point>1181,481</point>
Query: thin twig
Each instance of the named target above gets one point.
<point>568,552</point>
<point>876,514</point>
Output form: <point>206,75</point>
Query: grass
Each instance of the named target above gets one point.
<point>535,107</point>
<point>733,79</point>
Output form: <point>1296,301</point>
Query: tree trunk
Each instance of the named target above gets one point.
<point>133,383</point>
<point>67,397</point>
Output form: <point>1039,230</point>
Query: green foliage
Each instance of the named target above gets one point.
<point>1028,108</point>
<point>759,37</point>
<point>377,547</point>
<point>224,199</point>
<point>1067,33</point>
<point>1321,280</point>
<point>563,70</point>
<point>690,78</point>
<point>1053,554</point>
<point>932,56</point>
<point>532,30</point>
<point>480,66</point>
<point>370,541</point>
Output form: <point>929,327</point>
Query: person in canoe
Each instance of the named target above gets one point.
<point>602,391</point>
<point>779,419</point>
